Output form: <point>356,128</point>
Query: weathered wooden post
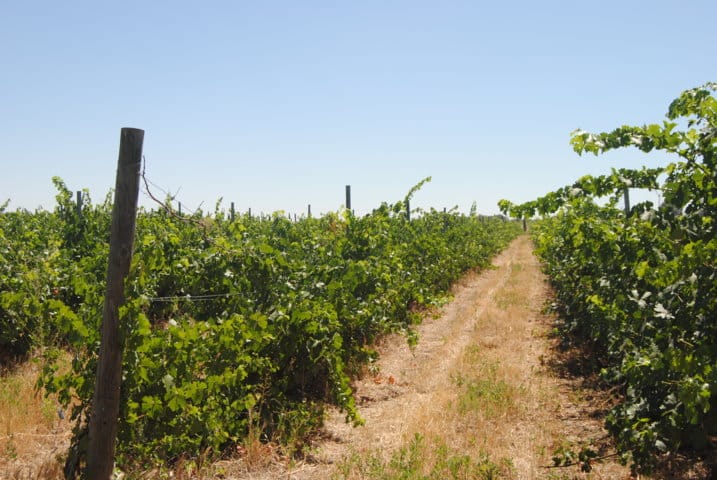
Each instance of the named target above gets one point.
<point>232,212</point>
<point>309,212</point>
<point>408,210</point>
<point>627,202</point>
<point>79,204</point>
<point>106,400</point>
<point>348,197</point>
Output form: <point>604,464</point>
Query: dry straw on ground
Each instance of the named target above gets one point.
<point>32,434</point>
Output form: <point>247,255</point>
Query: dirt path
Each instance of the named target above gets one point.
<point>494,330</point>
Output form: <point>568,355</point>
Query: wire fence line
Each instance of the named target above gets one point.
<point>191,298</point>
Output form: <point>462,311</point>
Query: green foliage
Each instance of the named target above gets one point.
<point>641,287</point>
<point>230,326</point>
<point>612,185</point>
<point>565,456</point>
<point>30,281</point>
<point>423,460</point>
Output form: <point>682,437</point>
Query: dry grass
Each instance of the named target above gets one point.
<point>32,435</point>
<point>487,409</point>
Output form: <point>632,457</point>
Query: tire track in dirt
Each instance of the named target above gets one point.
<point>408,379</point>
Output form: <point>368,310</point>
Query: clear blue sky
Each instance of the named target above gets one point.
<point>276,105</point>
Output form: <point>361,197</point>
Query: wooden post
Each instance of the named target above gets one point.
<point>408,210</point>
<point>309,213</point>
<point>106,400</point>
<point>180,208</point>
<point>79,204</point>
<point>627,202</point>
<point>232,212</point>
<point>249,212</point>
<point>348,197</point>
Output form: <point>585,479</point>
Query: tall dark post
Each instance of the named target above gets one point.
<point>408,210</point>
<point>348,197</point>
<point>309,213</point>
<point>232,212</point>
<point>627,202</point>
<point>106,400</point>
<point>79,204</point>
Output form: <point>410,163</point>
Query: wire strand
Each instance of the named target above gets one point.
<point>191,298</point>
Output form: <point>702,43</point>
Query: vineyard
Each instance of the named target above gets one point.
<point>636,286</point>
<point>237,327</point>
<point>232,324</point>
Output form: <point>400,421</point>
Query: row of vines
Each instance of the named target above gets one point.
<point>230,325</point>
<point>639,287</point>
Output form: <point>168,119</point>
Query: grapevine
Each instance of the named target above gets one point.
<point>230,325</point>
<point>641,286</point>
